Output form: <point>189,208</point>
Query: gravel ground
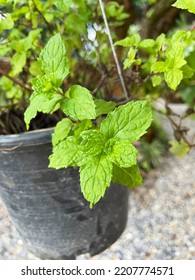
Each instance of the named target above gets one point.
<point>161,219</point>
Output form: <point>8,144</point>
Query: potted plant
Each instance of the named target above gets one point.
<point>93,136</point>
<point>46,205</point>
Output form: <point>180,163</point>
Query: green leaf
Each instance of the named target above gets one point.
<point>179,149</point>
<point>35,68</point>
<point>18,62</point>
<point>31,111</point>
<point>130,41</point>
<point>188,72</point>
<point>186,5</point>
<point>76,22</point>
<point>173,78</point>
<point>20,45</point>
<point>180,36</point>
<point>130,58</point>
<point>63,5</point>
<point>132,53</point>
<point>34,36</point>
<point>95,177</point>
<point>129,177</point>
<point>147,44</point>
<point>191,60</point>
<point>160,41</point>
<point>67,153</point>
<point>103,107</point>
<point>92,142</point>
<point>81,126</point>
<point>46,102</point>
<point>61,131</point>
<point>138,61</point>
<point>128,122</point>
<point>26,43</point>
<point>159,67</point>
<point>79,104</point>
<point>128,63</point>
<point>156,80</point>
<point>121,152</point>
<point>6,22</point>
<point>175,56</point>
<point>113,9</point>
<point>42,84</point>
<point>6,83</point>
<point>54,60</point>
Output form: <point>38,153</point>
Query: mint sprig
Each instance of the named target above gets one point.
<point>106,154</point>
<point>77,102</point>
<point>102,149</point>
<point>54,60</point>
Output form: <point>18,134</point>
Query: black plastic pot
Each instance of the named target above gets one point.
<point>46,205</point>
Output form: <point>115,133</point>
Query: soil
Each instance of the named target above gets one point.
<point>12,122</point>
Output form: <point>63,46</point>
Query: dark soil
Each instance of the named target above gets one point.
<point>12,122</point>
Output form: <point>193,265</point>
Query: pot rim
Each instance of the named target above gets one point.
<point>29,138</point>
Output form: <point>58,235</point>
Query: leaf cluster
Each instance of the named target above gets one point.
<point>25,28</point>
<point>164,67</point>
<point>165,60</point>
<point>102,149</point>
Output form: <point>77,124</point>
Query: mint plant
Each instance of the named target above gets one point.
<point>186,5</point>
<point>164,66</point>
<point>74,76</point>
<point>25,28</point>
<point>101,147</point>
<point>165,57</point>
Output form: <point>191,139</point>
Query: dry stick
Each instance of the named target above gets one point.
<point>182,135</point>
<point>101,83</point>
<point>104,77</point>
<point>113,50</point>
<point>3,73</point>
<point>177,126</point>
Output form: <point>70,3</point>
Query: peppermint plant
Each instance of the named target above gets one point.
<point>164,67</point>
<point>102,147</point>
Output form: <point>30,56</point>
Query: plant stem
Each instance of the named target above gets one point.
<point>106,74</point>
<point>175,125</point>
<point>17,82</point>
<point>113,50</point>
<point>40,13</point>
<point>124,101</point>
